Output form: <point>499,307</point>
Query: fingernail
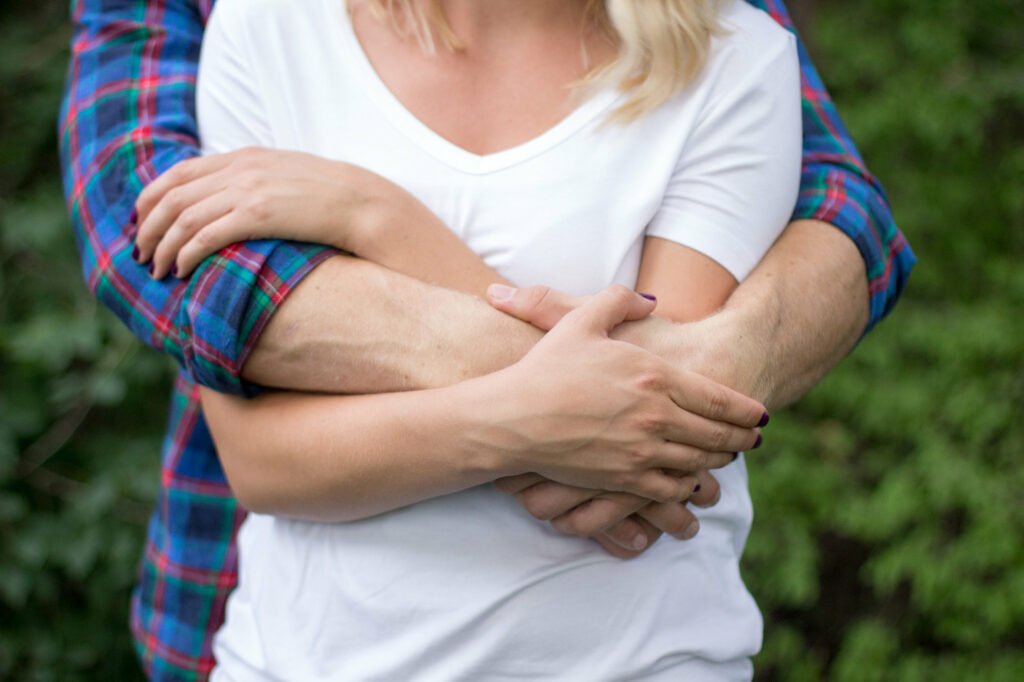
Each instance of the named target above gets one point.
<point>135,254</point>
<point>649,297</point>
<point>691,530</point>
<point>735,455</point>
<point>757,443</point>
<point>174,270</point>
<point>639,542</point>
<point>500,292</point>
<point>764,419</point>
<point>134,216</point>
<point>151,268</point>
<point>696,489</point>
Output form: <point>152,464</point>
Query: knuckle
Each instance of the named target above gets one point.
<point>205,239</point>
<point>188,220</point>
<point>257,209</point>
<point>620,291</point>
<point>719,437</point>
<point>537,297</point>
<point>535,505</point>
<point>674,525</point>
<point>640,455</point>
<point>651,378</point>
<point>175,199</point>
<point>716,404</point>
<point>578,524</point>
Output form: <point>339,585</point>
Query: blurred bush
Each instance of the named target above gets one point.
<point>82,403</point>
<point>887,544</point>
<point>889,516</point>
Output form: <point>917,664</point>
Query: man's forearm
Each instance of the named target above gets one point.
<point>793,319</point>
<point>355,327</point>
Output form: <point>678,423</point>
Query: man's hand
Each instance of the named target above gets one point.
<point>625,525</point>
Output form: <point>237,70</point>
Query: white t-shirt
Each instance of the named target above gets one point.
<point>468,586</point>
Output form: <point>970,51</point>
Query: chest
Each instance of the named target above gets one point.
<point>489,94</point>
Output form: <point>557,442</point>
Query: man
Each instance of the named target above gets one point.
<point>128,117</point>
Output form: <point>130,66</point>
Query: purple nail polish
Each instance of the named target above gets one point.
<point>649,297</point>
<point>151,268</point>
<point>757,443</point>
<point>135,254</point>
<point>174,270</point>
<point>764,420</point>
<point>134,217</point>
<point>696,489</point>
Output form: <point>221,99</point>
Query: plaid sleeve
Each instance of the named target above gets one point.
<point>837,187</point>
<point>128,114</point>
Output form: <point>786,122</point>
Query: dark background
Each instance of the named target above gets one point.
<point>888,537</point>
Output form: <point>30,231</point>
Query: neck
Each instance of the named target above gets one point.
<point>476,20</point>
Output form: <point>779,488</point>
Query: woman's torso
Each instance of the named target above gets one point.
<point>469,586</point>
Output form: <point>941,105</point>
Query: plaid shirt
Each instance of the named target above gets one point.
<point>128,115</point>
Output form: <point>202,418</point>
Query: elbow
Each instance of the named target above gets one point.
<point>255,487</point>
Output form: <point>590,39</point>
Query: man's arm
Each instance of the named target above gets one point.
<point>837,188</point>
<point>128,115</point>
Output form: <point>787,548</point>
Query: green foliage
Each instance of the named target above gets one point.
<point>887,544</point>
<point>81,408</point>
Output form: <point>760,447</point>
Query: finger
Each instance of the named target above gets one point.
<point>678,460</point>
<point>708,493</point>
<point>179,174</point>
<point>541,306</point>
<point>548,500</point>
<point>598,514</point>
<point>158,220</point>
<point>610,308</point>
<point>190,221</point>
<point>510,485</point>
<point>630,532</point>
<point>702,396</point>
<point>673,518</point>
<point>236,226</point>
<point>658,486</point>
<point>615,549</point>
<point>687,428</point>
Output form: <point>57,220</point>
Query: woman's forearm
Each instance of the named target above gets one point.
<point>342,458</point>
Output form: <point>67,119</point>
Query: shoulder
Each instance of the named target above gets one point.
<point>258,18</point>
<point>750,42</point>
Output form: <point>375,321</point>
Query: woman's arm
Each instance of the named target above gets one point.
<point>580,409</point>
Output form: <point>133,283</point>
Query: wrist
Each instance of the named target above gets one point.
<point>488,446</point>
<point>727,347</point>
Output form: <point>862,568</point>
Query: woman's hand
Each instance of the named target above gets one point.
<point>587,411</point>
<point>207,203</point>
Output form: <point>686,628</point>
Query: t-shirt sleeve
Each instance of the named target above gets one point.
<point>736,182</point>
<point>230,111</point>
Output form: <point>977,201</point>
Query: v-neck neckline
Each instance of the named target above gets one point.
<point>436,145</point>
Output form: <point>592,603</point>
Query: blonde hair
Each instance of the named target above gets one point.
<point>662,44</point>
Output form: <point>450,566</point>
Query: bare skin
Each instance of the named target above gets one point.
<point>748,331</point>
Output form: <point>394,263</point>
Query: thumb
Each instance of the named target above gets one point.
<point>541,306</point>
<point>610,308</point>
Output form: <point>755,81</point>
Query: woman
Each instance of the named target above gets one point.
<point>671,169</point>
